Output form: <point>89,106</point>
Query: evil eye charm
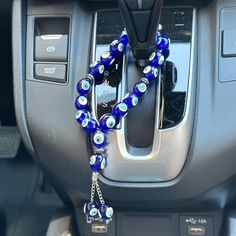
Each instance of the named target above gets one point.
<point>163,43</point>
<point>89,125</point>
<point>81,115</point>
<point>119,110</point>
<point>96,69</point>
<point>107,59</point>
<point>106,212</point>
<point>108,121</point>
<point>81,102</point>
<point>156,59</point>
<point>99,139</point>
<point>139,89</point>
<point>150,73</point>
<point>124,38</point>
<point>131,100</point>
<point>91,209</point>
<point>98,162</point>
<point>84,86</point>
<point>117,48</point>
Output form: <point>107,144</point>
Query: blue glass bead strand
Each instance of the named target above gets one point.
<point>81,102</point>
<point>107,59</point>
<point>82,115</point>
<point>117,48</point>
<point>84,86</point>
<point>163,43</point>
<point>140,89</point>
<point>98,162</point>
<point>99,131</point>
<point>131,100</point>
<point>99,139</point>
<point>156,59</point>
<point>96,70</point>
<point>89,125</point>
<point>123,38</point>
<point>107,122</point>
<point>120,110</point>
<point>150,73</point>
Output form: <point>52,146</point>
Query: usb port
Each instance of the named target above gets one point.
<point>196,230</point>
<point>99,228</point>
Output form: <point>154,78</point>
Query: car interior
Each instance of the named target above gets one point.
<point>117,118</point>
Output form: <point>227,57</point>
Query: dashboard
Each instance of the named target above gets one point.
<point>173,166</point>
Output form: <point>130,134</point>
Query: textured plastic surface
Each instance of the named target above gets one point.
<point>141,25</point>
<point>9,141</point>
<point>227,72</point>
<point>153,223</point>
<point>60,226</point>
<point>19,51</point>
<point>229,43</point>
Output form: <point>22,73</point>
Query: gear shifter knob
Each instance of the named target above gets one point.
<point>141,18</point>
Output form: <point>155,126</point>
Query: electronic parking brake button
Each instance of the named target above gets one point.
<point>50,72</point>
<point>51,48</point>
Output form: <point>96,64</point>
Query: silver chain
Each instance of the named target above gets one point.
<point>99,191</point>
<point>95,186</point>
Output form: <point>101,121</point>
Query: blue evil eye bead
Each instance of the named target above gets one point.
<point>124,38</point>
<point>106,212</point>
<point>140,88</point>
<point>119,110</point>
<point>84,86</point>
<point>98,162</point>
<point>96,69</point>
<point>117,48</point>
<point>131,100</point>
<point>107,121</point>
<point>91,209</point>
<point>107,59</point>
<point>89,125</point>
<point>156,59</point>
<point>81,115</point>
<point>81,102</point>
<point>99,139</point>
<point>163,43</point>
<point>150,73</point>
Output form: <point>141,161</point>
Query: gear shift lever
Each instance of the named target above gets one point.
<point>141,18</point>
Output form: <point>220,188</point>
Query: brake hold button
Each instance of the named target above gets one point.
<point>50,72</point>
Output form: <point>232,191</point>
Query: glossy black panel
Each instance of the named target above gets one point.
<point>107,91</point>
<point>177,25</point>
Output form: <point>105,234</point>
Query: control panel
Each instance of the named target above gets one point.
<point>50,39</point>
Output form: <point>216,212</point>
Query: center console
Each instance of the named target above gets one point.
<point>165,174</point>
